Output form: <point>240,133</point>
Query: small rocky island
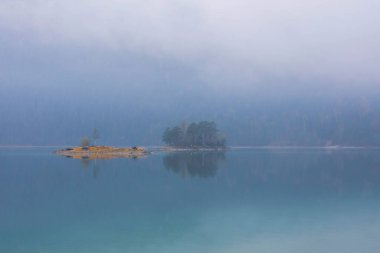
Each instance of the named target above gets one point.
<point>102,152</point>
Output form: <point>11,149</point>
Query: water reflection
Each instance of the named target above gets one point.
<point>85,163</point>
<point>194,164</point>
<point>337,171</point>
<point>295,198</point>
<point>90,164</point>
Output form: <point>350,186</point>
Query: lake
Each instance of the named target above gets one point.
<point>248,200</point>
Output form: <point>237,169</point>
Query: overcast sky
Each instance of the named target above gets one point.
<point>249,43</point>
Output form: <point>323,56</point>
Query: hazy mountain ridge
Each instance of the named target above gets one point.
<point>352,123</point>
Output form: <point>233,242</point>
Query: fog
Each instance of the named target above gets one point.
<point>268,73</point>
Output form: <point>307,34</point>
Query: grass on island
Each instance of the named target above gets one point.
<point>102,152</point>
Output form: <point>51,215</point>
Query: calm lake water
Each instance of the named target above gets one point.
<point>240,201</point>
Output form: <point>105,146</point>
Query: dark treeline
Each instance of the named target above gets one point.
<point>202,134</point>
<point>354,123</point>
<point>247,123</point>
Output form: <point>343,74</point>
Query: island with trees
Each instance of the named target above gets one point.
<point>201,135</point>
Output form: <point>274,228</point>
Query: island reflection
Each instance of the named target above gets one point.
<point>201,164</point>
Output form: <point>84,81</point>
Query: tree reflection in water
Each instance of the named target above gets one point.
<point>194,164</point>
<point>87,163</point>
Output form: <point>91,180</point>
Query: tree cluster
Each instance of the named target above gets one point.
<point>86,141</point>
<point>201,134</point>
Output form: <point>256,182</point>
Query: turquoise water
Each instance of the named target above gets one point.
<point>240,201</point>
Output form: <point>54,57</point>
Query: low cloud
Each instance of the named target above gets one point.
<point>316,43</point>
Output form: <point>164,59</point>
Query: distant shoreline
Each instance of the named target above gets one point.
<point>165,148</point>
<point>305,147</point>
